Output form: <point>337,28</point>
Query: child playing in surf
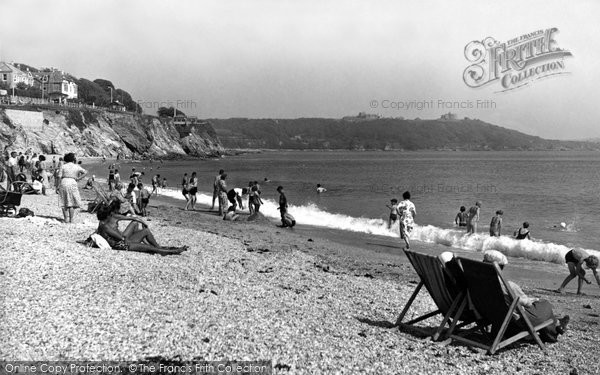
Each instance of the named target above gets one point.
<point>496,224</point>
<point>394,213</point>
<point>523,232</point>
<point>575,260</point>
<point>407,211</point>
<point>461,217</point>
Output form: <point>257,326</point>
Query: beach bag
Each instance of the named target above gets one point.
<point>288,220</point>
<point>24,212</point>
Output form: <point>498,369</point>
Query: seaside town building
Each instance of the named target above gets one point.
<point>448,116</point>
<point>56,85</point>
<point>12,76</point>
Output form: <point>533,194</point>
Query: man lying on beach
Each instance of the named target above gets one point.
<point>575,260</point>
<point>537,310</point>
<point>133,238</point>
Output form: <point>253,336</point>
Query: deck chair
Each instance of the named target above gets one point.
<point>447,293</point>
<point>484,285</point>
<point>9,200</point>
<point>24,187</point>
<point>101,197</point>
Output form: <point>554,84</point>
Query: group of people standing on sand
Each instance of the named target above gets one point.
<point>41,171</point>
<point>230,199</point>
<point>66,172</point>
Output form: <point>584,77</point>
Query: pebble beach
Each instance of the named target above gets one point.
<point>243,291</point>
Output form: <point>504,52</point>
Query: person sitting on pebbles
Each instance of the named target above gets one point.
<point>537,310</point>
<point>133,238</point>
<point>575,260</point>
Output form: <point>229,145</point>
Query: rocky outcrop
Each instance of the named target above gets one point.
<point>90,132</point>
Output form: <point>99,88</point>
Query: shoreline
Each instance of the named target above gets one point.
<point>244,290</point>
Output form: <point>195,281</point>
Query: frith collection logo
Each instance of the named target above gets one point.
<point>514,63</point>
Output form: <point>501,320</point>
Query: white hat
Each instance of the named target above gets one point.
<point>446,256</point>
<point>491,256</point>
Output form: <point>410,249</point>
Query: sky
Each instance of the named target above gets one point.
<point>315,58</point>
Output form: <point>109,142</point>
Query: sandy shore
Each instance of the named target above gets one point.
<point>244,291</point>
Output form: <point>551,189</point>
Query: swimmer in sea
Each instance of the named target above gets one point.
<point>461,217</point>
<point>496,224</point>
<point>575,259</point>
<point>523,232</point>
<point>320,189</point>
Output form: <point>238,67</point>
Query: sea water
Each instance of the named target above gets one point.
<point>542,188</point>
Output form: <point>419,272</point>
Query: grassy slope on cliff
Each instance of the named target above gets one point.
<point>320,133</point>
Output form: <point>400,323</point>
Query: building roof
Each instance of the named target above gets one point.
<point>6,67</point>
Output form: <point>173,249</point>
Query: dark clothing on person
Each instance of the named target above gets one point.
<point>522,235</point>
<point>538,313</point>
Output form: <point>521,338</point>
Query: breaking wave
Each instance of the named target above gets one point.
<point>312,215</point>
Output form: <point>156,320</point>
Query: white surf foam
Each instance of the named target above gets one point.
<point>313,215</point>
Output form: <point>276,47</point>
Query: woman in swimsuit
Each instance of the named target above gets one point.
<point>133,238</point>
<point>523,233</point>
<point>193,190</point>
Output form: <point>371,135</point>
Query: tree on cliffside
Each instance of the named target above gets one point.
<point>168,112</point>
<point>104,83</point>
<point>90,92</point>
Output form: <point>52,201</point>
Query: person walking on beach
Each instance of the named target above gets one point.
<point>283,204</point>
<point>155,184</point>
<point>407,211</point>
<point>117,177</point>
<point>43,173</point>
<point>250,197</point>
<point>523,232</point>
<point>111,177</point>
<point>496,224</point>
<point>185,183</point>
<point>461,217</point>
<point>164,183</point>
<point>222,194</point>
<point>394,213</point>
<point>11,171</point>
<point>216,188</point>
<point>473,218</point>
<point>193,186</point>
<point>70,199</point>
<point>144,199</point>
<point>575,259</point>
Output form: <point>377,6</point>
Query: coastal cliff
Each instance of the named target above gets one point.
<point>88,132</point>
<point>380,134</point>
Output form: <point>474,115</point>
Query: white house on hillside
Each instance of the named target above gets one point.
<point>56,85</point>
<point>11,75</point>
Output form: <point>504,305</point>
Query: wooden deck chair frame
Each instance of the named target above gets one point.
<point>101,196</point>
<point>484,285</point>
<point>19,186</point>
<point>434,277</point>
